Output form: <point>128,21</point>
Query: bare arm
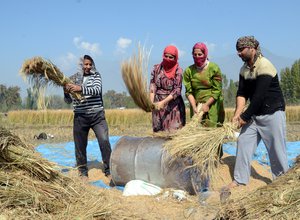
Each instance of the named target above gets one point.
<point>192,101</point>
<point>240,105</point>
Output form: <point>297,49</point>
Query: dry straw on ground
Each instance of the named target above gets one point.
<point>32,187</point>
<point>14,154</point>
<point>41,72</point>
<point>134,75</point>
<point>278,200</point>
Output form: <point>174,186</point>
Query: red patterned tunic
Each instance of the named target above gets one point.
<point>172,117</point>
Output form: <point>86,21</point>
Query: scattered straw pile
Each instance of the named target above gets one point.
<point>16,155</point>
<point>134,76</point>
<point>31,187</point>
<point>278,200</point>
<point>41,72</point>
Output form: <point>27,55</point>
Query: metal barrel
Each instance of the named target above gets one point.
<point>143,158</point>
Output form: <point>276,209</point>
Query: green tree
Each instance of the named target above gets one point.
<point>10,98</point>
<point>229,91</point>
<point>290,83</point>
<point>112,99</point>
<point>57,102</point>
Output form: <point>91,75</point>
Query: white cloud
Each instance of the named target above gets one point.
<point>122,44</point>
<point>93,48</point>
<point>67,62</point>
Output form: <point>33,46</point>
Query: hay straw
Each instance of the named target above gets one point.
<point>134,75</point>
<point>42,72</point>
<point>201,144</point>
<point>32,187</point>
<point>17,189</point>
<point>14,154</point>
<point>278,200</point>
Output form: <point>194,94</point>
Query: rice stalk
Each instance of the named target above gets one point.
<point>39,71</point>
<point>14,154</point>
<point>134,76</point>
<point>17,189</point>
<point>201,144</point>
<point>278,200</point>
<point>32,187</point>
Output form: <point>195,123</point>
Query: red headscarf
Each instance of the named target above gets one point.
<point>169,65</point>
<point>200,61</point>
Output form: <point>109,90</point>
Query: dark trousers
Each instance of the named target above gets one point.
<point>82,125</point>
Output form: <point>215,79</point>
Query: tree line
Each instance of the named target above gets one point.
<point>10,98</point>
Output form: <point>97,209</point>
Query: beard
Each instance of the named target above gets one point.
<point>245,58</point>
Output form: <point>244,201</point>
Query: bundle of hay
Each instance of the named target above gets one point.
<point>26,179</point>
<point>134,76</point>
<point>201,144</point>
<point>14,154</point>
<point>41,72</point>
<point>19,190</point>
<point>32,187</point>
<point>278,200</point>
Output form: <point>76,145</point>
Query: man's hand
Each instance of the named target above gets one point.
<point>65,89</point>
<point>241,122</point>
<point>238,121</point>
<point>73,87</point>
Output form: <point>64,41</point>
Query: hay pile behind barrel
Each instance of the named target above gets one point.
<point>32,187</point>
<point>134,75</point>
<point>278,200</point>
<point>42,72</point>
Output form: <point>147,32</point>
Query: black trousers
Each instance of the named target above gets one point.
<point>82,124</point>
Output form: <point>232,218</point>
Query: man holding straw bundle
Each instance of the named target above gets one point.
<point>88,114</point>
<point>264,119</point>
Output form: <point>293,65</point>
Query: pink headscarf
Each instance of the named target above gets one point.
<point>169,65</point>
<point>200,61</point>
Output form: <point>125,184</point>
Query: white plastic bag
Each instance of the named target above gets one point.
<point>139,187</point>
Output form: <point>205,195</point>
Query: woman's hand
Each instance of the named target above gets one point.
<point>205,108</point>
<point>160,105</point>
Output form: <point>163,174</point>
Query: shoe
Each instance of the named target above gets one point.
<point>83,173</point>
<point>107,173</point>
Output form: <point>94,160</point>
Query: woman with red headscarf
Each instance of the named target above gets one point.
<point>165,93</point>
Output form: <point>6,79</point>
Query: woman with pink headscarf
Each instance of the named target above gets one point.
<point>165,92</point>
<point>203,83</point>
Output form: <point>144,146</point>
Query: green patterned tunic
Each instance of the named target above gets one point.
<point>204,85</point>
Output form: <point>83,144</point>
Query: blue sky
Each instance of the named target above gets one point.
<point>64,30</point>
